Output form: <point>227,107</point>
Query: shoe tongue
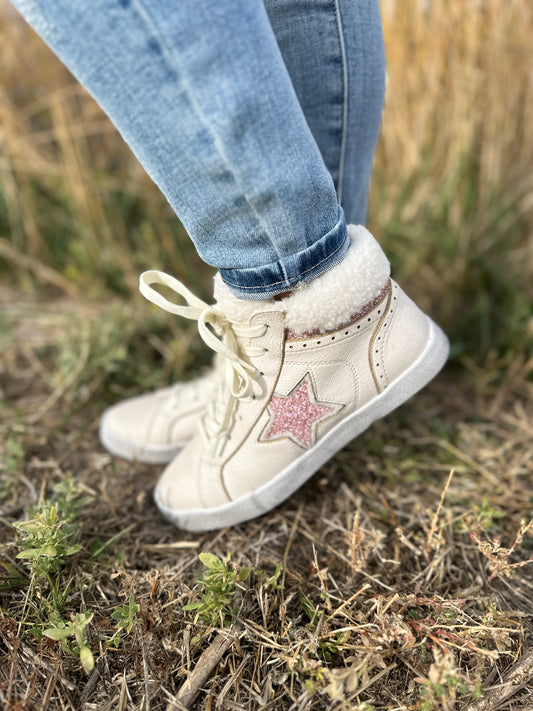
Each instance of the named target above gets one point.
<point>328,301</point>
<point>240,310</point>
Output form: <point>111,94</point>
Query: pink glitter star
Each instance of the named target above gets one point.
<point>297,415</point>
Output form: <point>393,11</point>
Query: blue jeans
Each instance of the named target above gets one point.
<point>258,120</point>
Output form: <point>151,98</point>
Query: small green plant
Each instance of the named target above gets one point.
<point>312,611</point>
<point>77,630</point>
<point>126,617</point>
<point>48,536</point>
<point>217,590</point>
<point>271,581</point>
<point>68,497</point>
<point>327,648</point>
<point>45,540</point>
<point>487,515</point>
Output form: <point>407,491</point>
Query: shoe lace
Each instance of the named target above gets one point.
<point>224,336</point>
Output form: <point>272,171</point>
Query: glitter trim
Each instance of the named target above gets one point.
<point>290,335</point>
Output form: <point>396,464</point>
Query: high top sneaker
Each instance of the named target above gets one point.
<point>298,379</point>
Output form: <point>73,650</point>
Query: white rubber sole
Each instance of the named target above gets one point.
<point>270,495</point>
<point>125,448</point>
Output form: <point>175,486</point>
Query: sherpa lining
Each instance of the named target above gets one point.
<point>330,299</point>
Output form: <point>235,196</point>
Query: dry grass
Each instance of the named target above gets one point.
<point>453,186</point>
<point>459,82</point>
<point>74,202</point>
<point>403,586</point>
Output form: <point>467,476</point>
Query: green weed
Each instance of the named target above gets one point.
<point>48,536</point>
<point>46,539</point>
<point>75,630</point>
<point>271,581</point>
<point>217,589</point>
<point>126,617</point>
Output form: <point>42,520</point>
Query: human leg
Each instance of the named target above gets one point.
<point>163,422</point>
<point>334,53</point>
<point>200,92</point>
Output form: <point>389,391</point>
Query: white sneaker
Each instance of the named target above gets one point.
<point>154,427</point>
<point>299,379</point>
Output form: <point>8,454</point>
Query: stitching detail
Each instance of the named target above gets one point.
<point>387,337</point>
<point>287,281</point>
<point>342,150</point>
<point>373,338</point>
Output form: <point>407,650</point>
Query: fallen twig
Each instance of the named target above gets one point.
<point>515,679</point>
<point>199,675</point>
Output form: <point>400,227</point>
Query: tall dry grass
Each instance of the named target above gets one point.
<point>452,195</point>
<point>76,208</point>
<point>453,185</point>
<point>460,88</point>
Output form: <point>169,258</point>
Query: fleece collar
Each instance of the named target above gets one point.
<point>328,301</point>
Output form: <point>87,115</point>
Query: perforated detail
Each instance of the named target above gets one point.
<point>338,336</point>
<point>361,325</point>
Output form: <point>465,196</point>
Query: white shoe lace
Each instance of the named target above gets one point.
<point>223,336</point>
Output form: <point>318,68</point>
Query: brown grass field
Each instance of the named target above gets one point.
<point>400,578</point>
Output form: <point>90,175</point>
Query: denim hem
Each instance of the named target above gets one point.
<point>264,282</point>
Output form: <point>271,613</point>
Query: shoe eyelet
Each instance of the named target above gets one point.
<point>346,333</point>
<point>304,345</point>
<point>290,346</point>
<point>369,319</point>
